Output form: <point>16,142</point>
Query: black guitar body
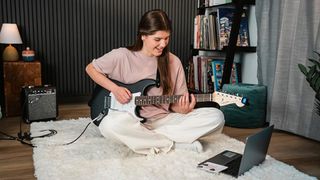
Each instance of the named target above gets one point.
<point>100,100</point>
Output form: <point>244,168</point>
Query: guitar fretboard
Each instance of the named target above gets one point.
<point>146,100</point>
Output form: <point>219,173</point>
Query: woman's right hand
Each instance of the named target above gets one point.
<point>122,94</point>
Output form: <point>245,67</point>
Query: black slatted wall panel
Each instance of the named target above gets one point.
<point>68,34</point>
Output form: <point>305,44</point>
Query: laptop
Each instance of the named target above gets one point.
<point>235,164</point>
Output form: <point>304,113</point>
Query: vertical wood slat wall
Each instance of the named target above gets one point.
<point>68,34</point>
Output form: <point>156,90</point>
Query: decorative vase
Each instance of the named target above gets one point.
<point>28,55</point>
<point>10,53</point>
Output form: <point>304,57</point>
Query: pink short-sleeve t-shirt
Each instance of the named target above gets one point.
<point>132,66</point>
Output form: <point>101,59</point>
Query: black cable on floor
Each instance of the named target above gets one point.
<point>27,136</point>
<point>6,136</point>
<point>79,135</point>
<point>20,139</point>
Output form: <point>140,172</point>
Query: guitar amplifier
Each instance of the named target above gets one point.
<point>39,103</point>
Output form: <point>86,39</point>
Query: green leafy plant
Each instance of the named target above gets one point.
<point>312,73</point>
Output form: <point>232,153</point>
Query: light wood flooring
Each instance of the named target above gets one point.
<point>16,159</point>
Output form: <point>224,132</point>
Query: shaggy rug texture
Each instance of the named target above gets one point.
<point>95,157</point>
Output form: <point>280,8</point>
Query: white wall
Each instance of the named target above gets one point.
<point>249,60</point>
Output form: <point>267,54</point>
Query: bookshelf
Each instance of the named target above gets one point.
<point>231,49</point>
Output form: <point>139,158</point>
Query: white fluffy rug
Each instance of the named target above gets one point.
<point>94,157</point>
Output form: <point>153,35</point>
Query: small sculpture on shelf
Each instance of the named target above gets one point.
<point>28,55</point>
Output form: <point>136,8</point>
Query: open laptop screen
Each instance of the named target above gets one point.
<point>256,149</point>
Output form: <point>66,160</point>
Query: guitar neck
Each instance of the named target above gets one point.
<point>147,100</point>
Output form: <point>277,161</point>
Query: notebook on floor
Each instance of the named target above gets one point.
<point>235,164</point>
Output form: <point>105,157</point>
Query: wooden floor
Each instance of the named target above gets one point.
<point>16,159</point>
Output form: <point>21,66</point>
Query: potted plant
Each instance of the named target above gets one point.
<point>312,74</point>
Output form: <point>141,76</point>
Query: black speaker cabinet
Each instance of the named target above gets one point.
<point>39,103</point>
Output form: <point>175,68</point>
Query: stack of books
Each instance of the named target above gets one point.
<point>212,31</point>
<point>205,73</point>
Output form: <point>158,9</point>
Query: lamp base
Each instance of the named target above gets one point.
<point>10,53</point>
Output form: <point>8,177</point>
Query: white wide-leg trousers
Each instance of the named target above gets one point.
<point>160,135</point>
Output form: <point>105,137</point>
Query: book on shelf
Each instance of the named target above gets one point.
<point>212,31</point>
<point>200,74</point>
<point>213,41</point>
<point>205,33</point>
<point>190,75</point>
<point>196,32</point>
<point>200,31</point>
<point>224,19</point>
<point>205,73</point>
<point>217,69</point>
<point>243,37</point>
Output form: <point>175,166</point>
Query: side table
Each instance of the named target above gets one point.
<point>16,75</point>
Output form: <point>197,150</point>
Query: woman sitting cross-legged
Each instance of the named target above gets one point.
<point>167,126</point>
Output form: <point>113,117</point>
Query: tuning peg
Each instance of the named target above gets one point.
<point>245,101</point>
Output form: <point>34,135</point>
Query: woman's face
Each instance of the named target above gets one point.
<point>154,44</point>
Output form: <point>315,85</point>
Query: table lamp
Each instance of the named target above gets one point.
<point>9,34</point>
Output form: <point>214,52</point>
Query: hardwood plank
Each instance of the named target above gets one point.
<point>16,159</point>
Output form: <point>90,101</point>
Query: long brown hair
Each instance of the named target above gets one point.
<point>151,22</point>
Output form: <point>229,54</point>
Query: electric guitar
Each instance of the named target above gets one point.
<point>102,100</point>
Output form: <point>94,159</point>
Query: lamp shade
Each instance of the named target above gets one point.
<point>9,34</point>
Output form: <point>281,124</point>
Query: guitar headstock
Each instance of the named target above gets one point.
<point>224,99</point>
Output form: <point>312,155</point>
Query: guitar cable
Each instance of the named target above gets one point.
<point>24,137</point>
<point>27,136</point>
<point>53,132</point>
<point>98,119</point>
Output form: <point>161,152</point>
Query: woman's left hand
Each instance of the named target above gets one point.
<point>184,105</point>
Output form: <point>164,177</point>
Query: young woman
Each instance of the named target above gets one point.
<point>168,126</point>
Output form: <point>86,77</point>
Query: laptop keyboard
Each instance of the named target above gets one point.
<point>233,167</point>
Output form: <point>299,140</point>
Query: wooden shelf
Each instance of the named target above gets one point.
<point>244,2</point>
<point>238,49</point>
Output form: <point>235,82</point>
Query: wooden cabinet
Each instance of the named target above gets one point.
<point>16,75</point>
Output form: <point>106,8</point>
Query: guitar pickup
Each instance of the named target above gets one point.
<point>107,102</point>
